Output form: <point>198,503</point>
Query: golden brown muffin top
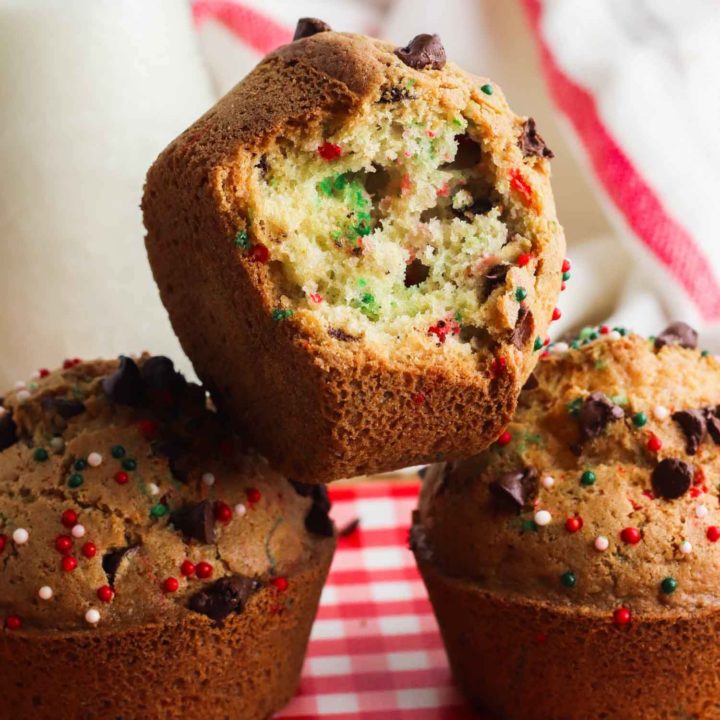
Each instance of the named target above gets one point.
<point>604,490</point>
<point>125,500</point>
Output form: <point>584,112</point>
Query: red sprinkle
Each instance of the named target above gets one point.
<point>280,583</point>
<point>121,477</point>
<point>68,563</point>
<point>566,265</point>
<point>71,362</point>
<point>148,429</point>
<point>574,524</point>
<point>317,298</point>
<point>443,328</point>
<point>223,513</point>
<point>89,550</point>
<point>260,253</point>
<point>43,372</point>
<point>713,533</point>
<point>63,544</point>
<point>253,495</point>
<point>418,398</point>
<point>622,616</point>
<point>105,594</point>
<point>630,535</point>
<point>329,151</point>
<point>204,570</point>
<point>3,542</point>
<point>187,568</point>
<point>443,191</point>
<point>13,622</point>
<point>563,286</point>
<point>604,329</point>
<point>69,518</point>
<point>405,184</point>
<point>505,438</point>
<point>521,186</point>
<point>654,444</point>
<point>524,259</point>
<point>171,585</point>
<point>556,314</point>
<point>498,366</point>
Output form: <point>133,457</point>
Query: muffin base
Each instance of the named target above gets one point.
<point>247,668</point>
<point>528,660</point>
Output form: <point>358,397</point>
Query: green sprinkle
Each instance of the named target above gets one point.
<point>585,333</point>
<point>704,353</point>
<point>621,331</point>
<point>410,82</point>
<point>487,89</point>
<point>242,240</point>
<point>80,464</point>
<point>566,276</point>
<point>40,454</point>
<point>325,186</point>
<point>568,579</point>
<point>573,407</point>
<point>75,480</point>
<point>600,364</point>
<point>158,511</point>
<point>457,122</point>
<point>588,478</point>
<point>669,585</point>
<point>528,526</point>
<point>458,316</point>
<point>362,282</point>
<point>367,299</point>
<point>129,464</point>
<point>520,294</point>
<point>538,344</point>
<point>279,314</point>
<point>118,451</point>
<point>575,344</point>
<point>640,419</point>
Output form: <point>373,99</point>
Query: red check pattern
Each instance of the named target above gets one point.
<point>375,650</point>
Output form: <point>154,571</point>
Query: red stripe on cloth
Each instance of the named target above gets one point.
<point>364,682</point>
<point>375,489</point>
<point>355,577</point>
<point>258,31</point>
<point>449,712</point>
<point>374,644</point>
<point>635,199</point>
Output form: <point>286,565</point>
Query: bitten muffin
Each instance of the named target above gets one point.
<point>150,565</point>
<point>359,252</point>
<point>574,570</point>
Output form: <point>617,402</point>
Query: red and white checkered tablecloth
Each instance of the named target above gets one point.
<point>375,650</point>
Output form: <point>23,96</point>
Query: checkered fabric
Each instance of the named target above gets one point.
<point>375,650</point>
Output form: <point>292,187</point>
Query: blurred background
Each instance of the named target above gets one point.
<point>625,93</point>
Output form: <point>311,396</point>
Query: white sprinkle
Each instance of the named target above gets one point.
<point>543,517</point>
<point>45,592</point>
<point>614,335</point>
<point>92,616</point>
<point>548,481</point>
<point>20,536</point>
<point>94,459</point>
<point>701,511</point>
<point>660,412</point>
<point>560,347</point>
<point>78,531</point>
<point>20,385</point>
<point>153,489</point>
<point>2,411</point>
<point>601,543</point>
<point>685,547</point>
<point>240,509</point>
<point>23,396</point>
<point>57,444</point>
<point>36,375</point>
<point>208,479</point>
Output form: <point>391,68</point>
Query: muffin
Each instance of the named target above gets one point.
<point>152,566</point>
<point>574,570</point>
<point>358,249</point>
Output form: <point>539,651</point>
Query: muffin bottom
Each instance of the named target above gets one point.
<point>528,660</point>
<point>247,668</point>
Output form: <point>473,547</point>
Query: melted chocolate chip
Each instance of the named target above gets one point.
<point>307,26</point>
<point>596,412</point>
<point>174,448</point>
<point>339,334</point>
<point>495,277</point>
<point>8,431</point>
<point>523,330</point>
<point>712,418</point>
<point>531,143</point>
<point>416,272</point>
<point>395,94</point>
<point>677,333</point>
<point>424,51</point>
<point>160,376</point>
<point>671,478</point>
<point>317,521</point>
<point>517,488</point>
<point>531,383</point>
<point>66,408</point>
<point>113,558</point>
<point>125,386</point>
<point>694,426</point>
<point>226,595</point>
<point>195,522</point>
<point>350,528</point>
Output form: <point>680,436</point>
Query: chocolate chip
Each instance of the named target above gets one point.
<point>195,521</point>
<point>395,94</point>
<point>419,543</point>
<point>174,448</point>
<point>694,427</point>
<point>416,272</point>
<point>160,375</point>
<point>531,383</point>
<point>125,386</point>
<point>224,596</point>
<point>524,329</point>
<point>518,488</point>
<point>64,408</point>
<point>307,26</point>
<point>318,493</point>
<point>479,206</point>
<point>350,528</point>
<point>339,334</point>
<point>595,413</point>
<point>712,418</point>
<point>677,333</point>
<point>495,277</point>
<point>113,558</point>
<point>531,143</point>
<point>317,521</point>
<point>8,431</point>
<point>424,51</point>
<point>671,478</point>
